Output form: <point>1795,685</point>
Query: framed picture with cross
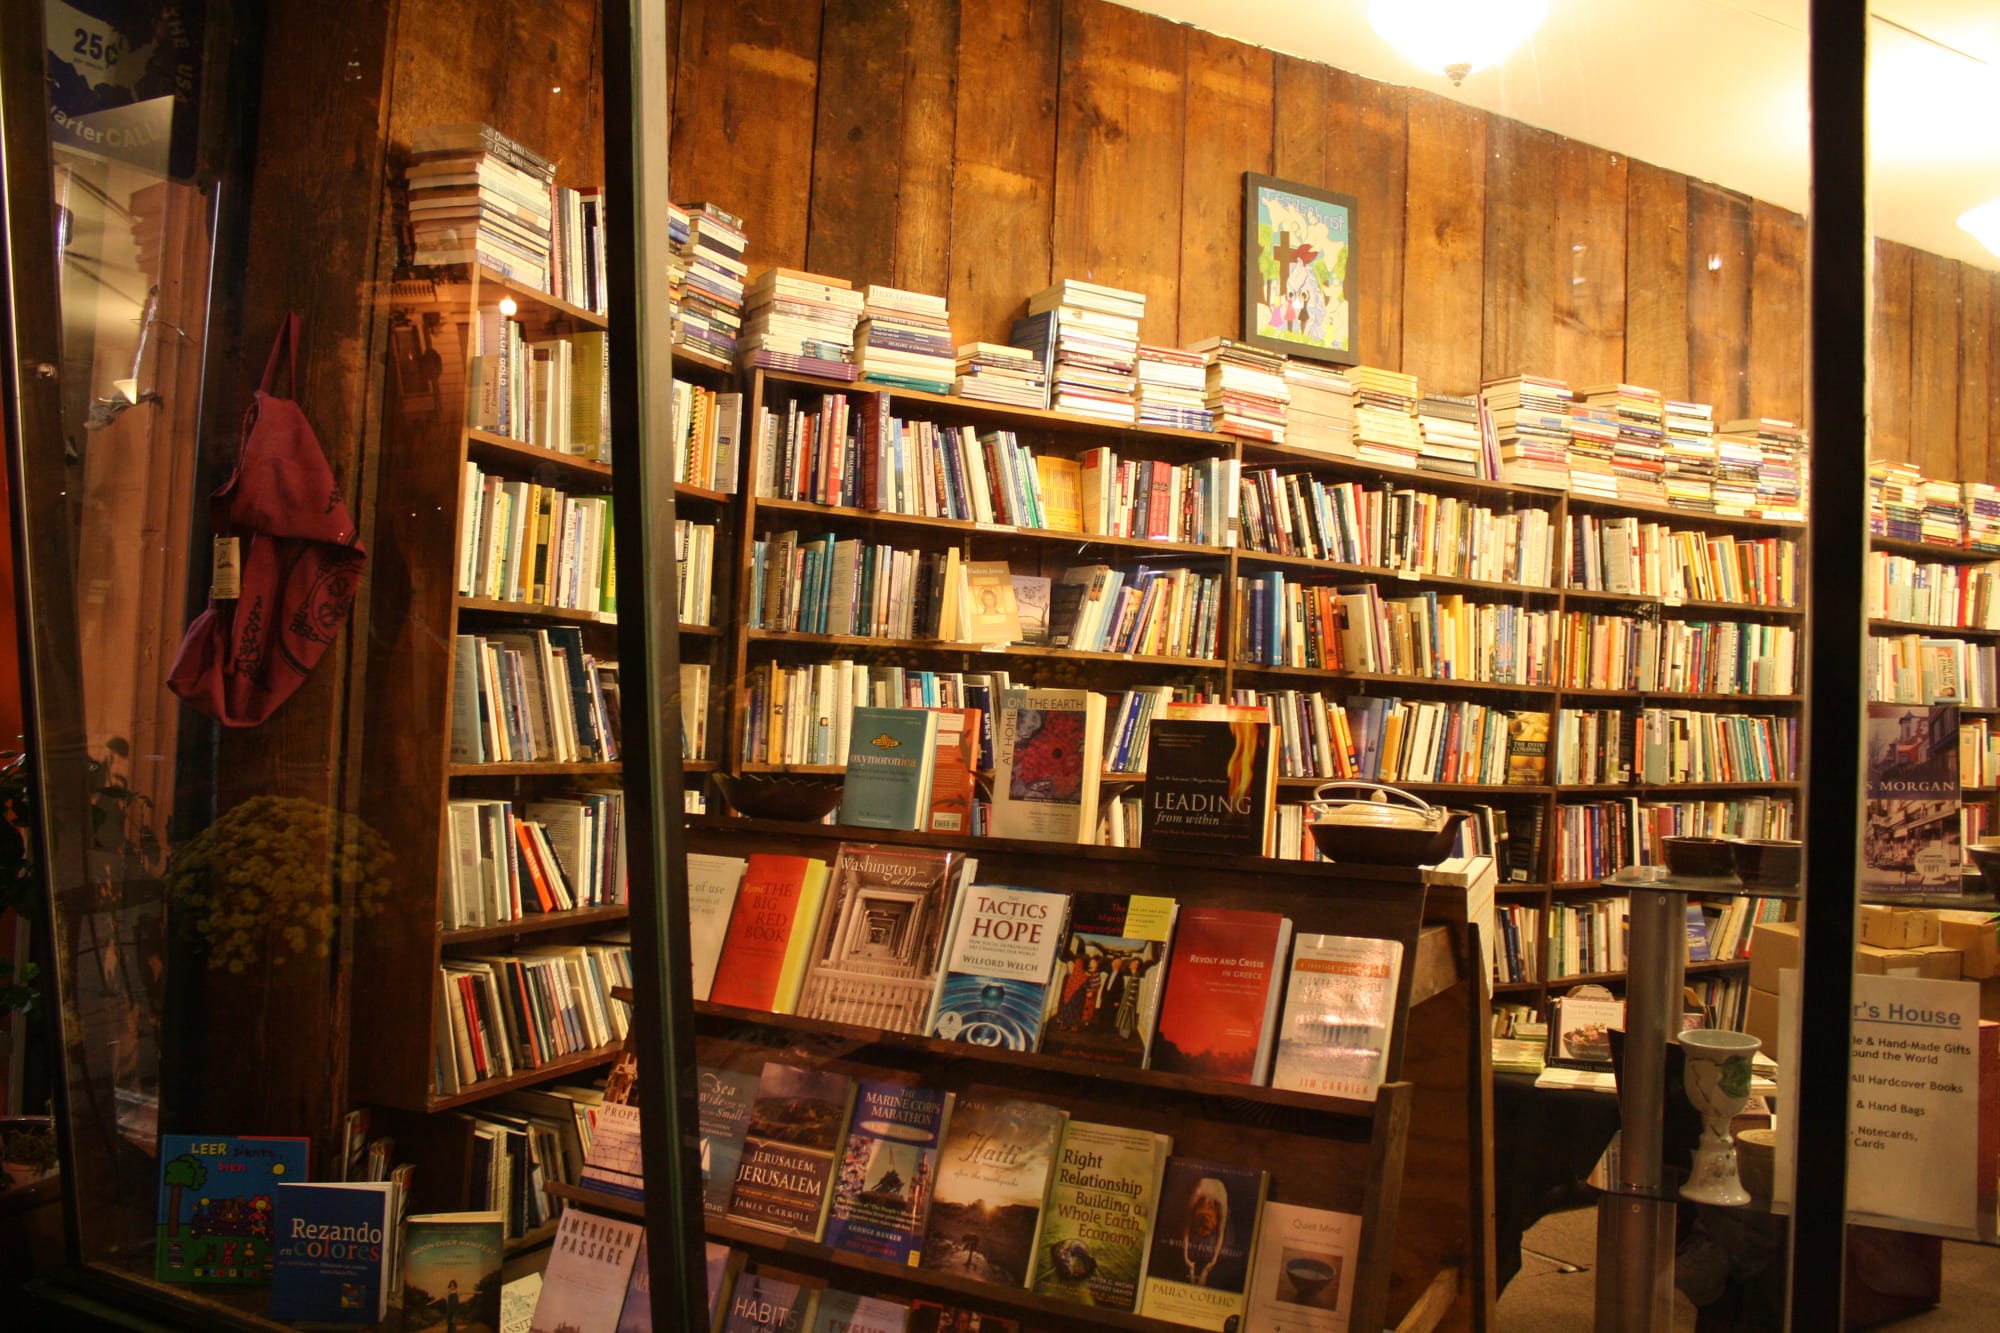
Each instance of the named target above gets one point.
<point>1298,269</point>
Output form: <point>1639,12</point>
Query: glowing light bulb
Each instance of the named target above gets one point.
<point>507,306</point>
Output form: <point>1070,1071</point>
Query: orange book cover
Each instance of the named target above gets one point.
<point>953,774</point>
<point>533,864</point>
<point>750,971</point>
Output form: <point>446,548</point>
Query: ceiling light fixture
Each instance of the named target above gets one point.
<point>1984,224</point>
<point>1455,37</point>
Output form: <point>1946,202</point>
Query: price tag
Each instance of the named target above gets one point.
<point>1670,601</point>
<point>1407,575</point>
<point>994,647</point>
<point>1125,656</point>
<point>996,527</point>
<point>225,581</point>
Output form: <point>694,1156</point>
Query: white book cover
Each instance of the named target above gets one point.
<point>590,1265</point>
<point>1303,1279</point>
<point>712,885</point>
<point>1048,758</point>
<point>1339,1015</point>
<point>994,979</point>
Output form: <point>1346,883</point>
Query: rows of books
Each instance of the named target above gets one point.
<point>1608,746</point>
<point>707,436</point>
<point>528,1009</point>
<point>533,695</point>
<point>1607,652</point>
<point>1917,669</point>
<point>1430,635</point>
<point>694,571</point>
<point>551,392</point>
<point>1517,953</point>
<point>538,545</point>
<point>1596,839</point>
<point>1587,937</point>
<point>1905,504</point>
<point>1626,555</point>
<point>1928,593</point>
<point>1404,740</point>
<point>550,855</point>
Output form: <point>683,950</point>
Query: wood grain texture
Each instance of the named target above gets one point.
<point>1975,371</point>
<point>1889,355</point>
<point>1656,279</point>
<point>857,143</point>
<point>1003,172</point>
<point>1934,321</point>
<point>1366,125</point>
<point>1588,342</point>
<point>1778,314</point>
<point>1719,273</point>
<point>1444,233</point>
<point>1518,311</point>
<point>1229,131</point>
<point>1119,154</point>
<point>745,96</point>
<point>1301,97</point>
<point>930,120</point>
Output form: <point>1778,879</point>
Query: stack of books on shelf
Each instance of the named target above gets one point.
<point>1171,383</point>
<point>478,197</point>
<point>1385,422</point>
<point>800,322</point>
<point>904,340</point>
<point>1638,450</point>
<point>553,393</point>
<point>1529,418</point>
<point>1096,339</point>
<point>708,436</point>
<point>997,373</point>
<point>1690,479</point>
<point>552,855</point>
<point>1895,500</point>
<point>1246,391</point>
<point>712,273</point>
<point>1593,447</point>
<point>1781,465</point>
<point>1943,523</point>
<point>1982,515</point>
<point>1450,425</point>
<point>1738,460</point>
<point>576,260</point>
<point>528,1009</point>
<point>532,696</point>
<point>1320,415</point>
<point>525,542</point>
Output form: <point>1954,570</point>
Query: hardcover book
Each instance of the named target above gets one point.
<point>1048,759</point>
<point>992,613</point>
<point>874,961</point>
<point>1303,1277</point>
<point>1339,1017</point>
<point>216,1196</point>
<point>712,885</point>
<point>996,970</point>
<point>723,1098</point>
<point>844,1312</point>
<point>1198,1267</point>
<point>1210,787</point>
<point>333,1252</point>
<point>1221,1000</point>
<point>590,1266</point>
<point>451,1271</point>
<point>770,931</point>
<point>993,1174</point>
<point>1099,1215</point>
<point>1109,975</point>
<point>766,1303</point>
<point>797,1126</point>
<point>930,1317</point>
<point>891,754</point>
<point>883,1191</point>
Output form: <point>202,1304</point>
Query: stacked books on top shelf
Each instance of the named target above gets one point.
<point>800,322</point>
<point>1095,335</point>
<point>1690,476</point>
<point>904,340</point>
<point>1385,422</point>
<point>1170,389</point>
<point>997,373</point>
<point>553,393</point>
<point>1246,391</point>
<point>478,197</point>
<point>1529,417</point>
<point>1638,448</point>
<point>1982,515</point>
<point>1320,415</point>
<point>576,259</point>
<point>1450,426</point>
<point>711,308</point>
<point>707,436</point>
<point>1593,444</point>
<point>1781,464</point>
<point>1895,500</point>
<point>1943,523</point>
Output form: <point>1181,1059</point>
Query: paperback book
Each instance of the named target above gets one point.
<point>1198,1267</point>
<point>451,1270</point>
<point>955,778</point>
<point>1048,759</point>
<point>891,754</point>
<point>763,961</point>
<point>1339,1017</point>
<point>1220,1008</point>
<point>724,1264</point>
<point>517,1303</point>
<point>1911,833</point>
<point>797,1126</point>
<point>996,971</point>
<point>590,1266</point>
<point>723,1098</point>
<point>993,1174</point>
<point>883,1191</point>
<point>1210,787</point>
<point>1099,1215</point>
<point>333,1252</point>
<point>1303,1278</point>
<point>712,885</point>
<point>874,959</point>
<point>1109,974</point>
<point>844,1312</point>
<point>216,1196</point>
<point>766,1303</point>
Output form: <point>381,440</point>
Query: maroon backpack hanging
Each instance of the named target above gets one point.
<point>287,564</point>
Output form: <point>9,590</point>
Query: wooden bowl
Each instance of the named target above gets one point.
<point>1378,846</point>
<point>1986,856</point>
<point>1767,863</point>
<point>780,796</point>
<point>1706,858</point>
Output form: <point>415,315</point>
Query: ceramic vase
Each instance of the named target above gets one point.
<point>1718,1083</point>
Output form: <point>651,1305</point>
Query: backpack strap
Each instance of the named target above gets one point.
<point>288,338</point>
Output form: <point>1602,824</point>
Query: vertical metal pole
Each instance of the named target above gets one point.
<point>635,156</point>
<point>1840,273</point>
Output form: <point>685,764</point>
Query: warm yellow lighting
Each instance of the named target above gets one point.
<point>507,306</point>
<point>1984,224</point>
<point>1455,37</point>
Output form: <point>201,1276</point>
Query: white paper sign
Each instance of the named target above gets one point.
<point>1913,1108</point>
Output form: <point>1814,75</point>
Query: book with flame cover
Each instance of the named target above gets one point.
<point>1220,1011</point>
<point>1210,787</point>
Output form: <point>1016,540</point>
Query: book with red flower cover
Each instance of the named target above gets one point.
<point>1219,1017</point>
<point>763,962</point>
<point>1048,758</point>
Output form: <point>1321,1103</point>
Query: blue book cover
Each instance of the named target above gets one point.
<point>217,1193</point>
<point>998,966</point>
<point>890,757</point>
<point>883,1190</point>
<point>333,1249</point>
<point>1697,934</point>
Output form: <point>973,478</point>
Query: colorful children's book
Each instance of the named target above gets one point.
<point>874,961</point>
<point>1099,1215</point>
<point>883,1191</point>
<point>891,754</point>
<point>590,1266</point>
<point>1220,1009</point>
<point>797,1126</point>
<point>723,1097</point>
<point>1303,1278</point>
<point>334,1244</point>
<point>993,1174</point>
<point>1198,1268</point>
<point>763,959</point>
<point>1110,972</point>
<point>217,1193</point>
<point>451,1270</point>
<point>996,971</point>
<point>1340,1015</point>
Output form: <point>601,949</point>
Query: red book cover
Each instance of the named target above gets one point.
<point>532,866</point>
<point>1159,513</point>
<point>875,430</point>
<point>1221,981</point>
<point>760,928</point>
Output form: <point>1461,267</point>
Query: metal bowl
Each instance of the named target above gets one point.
<point>1373,830</point>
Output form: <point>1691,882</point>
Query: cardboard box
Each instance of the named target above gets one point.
<point>1934,961</point>
<point>1760,1019</point>
<point>1989,998</point>
<point>1898,927</point>
<point>1975,935</point>
<point>1774,945</point>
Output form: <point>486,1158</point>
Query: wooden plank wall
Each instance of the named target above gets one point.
<point>984,151</point>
